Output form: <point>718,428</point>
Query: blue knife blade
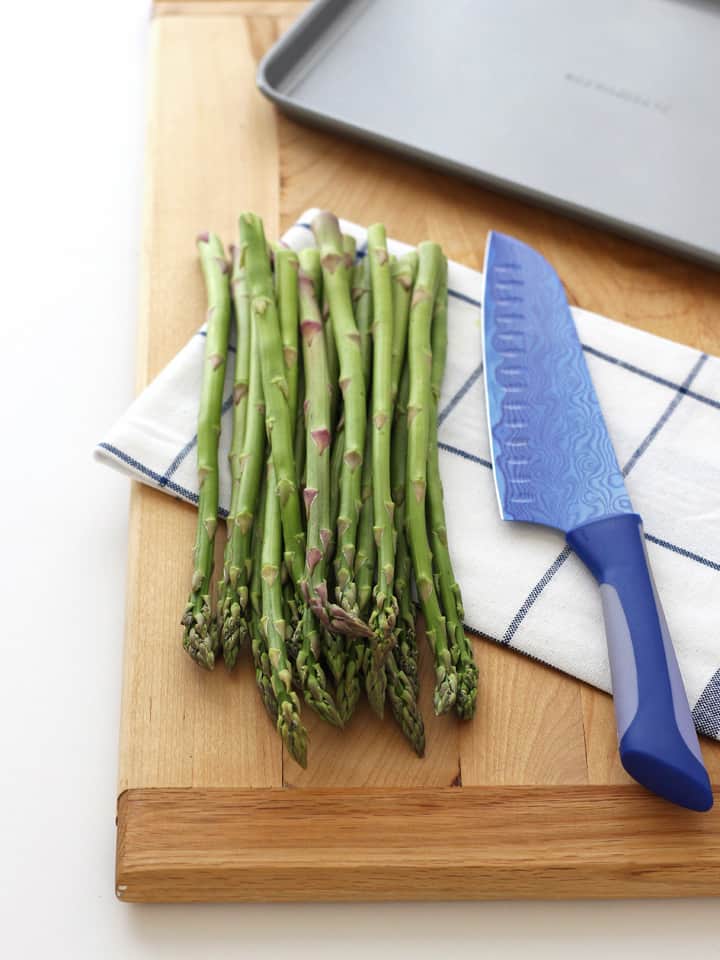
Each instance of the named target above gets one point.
<point>553,459</point>
<point>554,464</point>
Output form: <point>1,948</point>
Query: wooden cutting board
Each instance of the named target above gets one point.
<point>528,800</point>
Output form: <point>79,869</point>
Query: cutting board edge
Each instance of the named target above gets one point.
<point>238,845</point>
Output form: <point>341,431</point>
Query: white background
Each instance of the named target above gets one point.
<point>72,76</point>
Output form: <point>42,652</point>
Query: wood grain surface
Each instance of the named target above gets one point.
<point>199,747</point>
<point>435,844</point>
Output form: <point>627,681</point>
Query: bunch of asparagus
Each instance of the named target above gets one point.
<point>337,503</point>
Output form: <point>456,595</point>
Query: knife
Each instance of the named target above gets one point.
<point>554,464</point>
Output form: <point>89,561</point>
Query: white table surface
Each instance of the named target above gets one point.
<point>73,84</point>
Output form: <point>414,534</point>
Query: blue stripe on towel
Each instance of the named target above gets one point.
<point>631,368</point>
<point>457,397</point>
<point>706,712</point>
<point>157,478</point>
<point>668,412</point>
<point>465,454</point>
<point>190,445</point>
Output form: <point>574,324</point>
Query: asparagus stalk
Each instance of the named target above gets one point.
<point>404,271</point>
<point>366,547</point>
<point>231,618</point>
<point>261,659</point>
<point>317,491</point>
<point>402,686</point>
<point>293,643</point>
<point>348,687</point>
<point>349,246</point>
<point>299,439</point>
<point>419,409</point>
<point>402,662</point>
<point>406,652</point>
<point>333,360</point>
<point>246,488</point>
<point>451,600</point>
<point>383,617</point>
<point>404,705</point>
<point>289,724</point>
<point>200,638</point>
<point>362,302</point>
<point>336,460</point>
<point>280,427</point>
<point>286,294</point>
<point>337,288</point>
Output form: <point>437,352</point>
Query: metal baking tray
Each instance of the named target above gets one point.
<point>608,111</point>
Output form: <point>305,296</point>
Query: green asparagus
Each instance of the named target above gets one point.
<point>406,652</point>
<point>280,427</point>
<point>200,637</point>
<point>261,659</point>
<point>247,472</point>
<point>286,294</point>
<point>317,490</point>
<point>404,271</point>
<point>383,617</point>
<point>451,600</point>
<point>404,705</point>
<point>349,685</point>
<point>328,587</point>
<point>231,619</point>
<point>274,627</point>
<point>337,288</point>
<point>419,409</point>
<point>362,302</point>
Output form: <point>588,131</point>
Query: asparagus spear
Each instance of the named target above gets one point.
<point>286,294</point>
<point>362,301</point>
<point>402,686</point>
<point>280,427</point>
<point>336,459</point>
<point>246,488</point>
<point>231,618</point>
<point>404,271</point>
<point>333,361</point>
<point>337,288</point>
<point>460,647</point>
<point>289,724</point>
<point>348,687</point>
<point>317,492</point>
<point>402,662</point>
<point>406,652</point>
<point>261,659</point>
<point>293,643</point>
<point>333,644</point>
<point>299,438</point>
<point>384,613</point>
<point>200,637</point>
<point>404,705</point>
<point>349,246</point>
<point>366,547</point>
<point>419,409</point>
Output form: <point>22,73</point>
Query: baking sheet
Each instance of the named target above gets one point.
<point>607,111</point>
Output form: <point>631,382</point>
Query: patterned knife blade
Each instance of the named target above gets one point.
<point>553,459</point>
<point>554,464</point>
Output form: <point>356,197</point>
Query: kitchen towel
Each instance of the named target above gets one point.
<point>522,585</point>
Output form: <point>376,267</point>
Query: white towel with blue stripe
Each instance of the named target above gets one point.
<point>522,586</point>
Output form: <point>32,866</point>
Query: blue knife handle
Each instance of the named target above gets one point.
<point>658,743</point>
